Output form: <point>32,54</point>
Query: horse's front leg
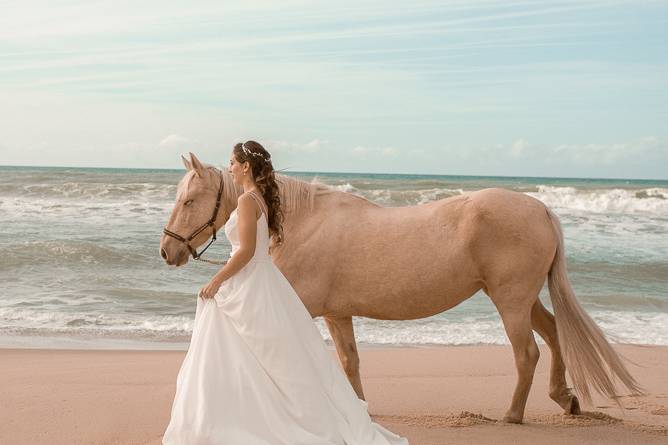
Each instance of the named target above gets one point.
<point>341,329</point>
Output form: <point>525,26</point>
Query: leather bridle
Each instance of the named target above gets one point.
<point>210,222</point>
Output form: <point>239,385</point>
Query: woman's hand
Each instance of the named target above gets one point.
<point>211,288</point>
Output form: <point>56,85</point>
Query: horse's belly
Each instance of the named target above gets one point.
<point>395,298</point>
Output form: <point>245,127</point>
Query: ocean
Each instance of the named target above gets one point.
<point>80,267</point>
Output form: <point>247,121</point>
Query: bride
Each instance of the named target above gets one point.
<point>257,371</point>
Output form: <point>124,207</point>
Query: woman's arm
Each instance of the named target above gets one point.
<point>247,228</point>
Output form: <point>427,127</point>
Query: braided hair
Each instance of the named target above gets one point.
<point>263,173</point>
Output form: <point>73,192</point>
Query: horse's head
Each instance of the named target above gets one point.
<point>203,205</point>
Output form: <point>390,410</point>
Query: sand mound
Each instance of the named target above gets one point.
<point>596,419</point>
<point>465,418</point>
<point>586,418</point>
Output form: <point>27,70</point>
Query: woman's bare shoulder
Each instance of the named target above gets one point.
<point>246,203</point>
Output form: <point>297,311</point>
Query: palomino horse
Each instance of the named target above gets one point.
<point>346,256</point>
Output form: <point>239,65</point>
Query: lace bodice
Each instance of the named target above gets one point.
<point>261,237</point>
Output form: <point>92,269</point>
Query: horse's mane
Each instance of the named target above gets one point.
<point>296,194</point>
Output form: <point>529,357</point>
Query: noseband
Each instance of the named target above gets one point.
<point>210,222</point>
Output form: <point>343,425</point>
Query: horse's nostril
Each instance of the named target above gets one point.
<point>163,253</point>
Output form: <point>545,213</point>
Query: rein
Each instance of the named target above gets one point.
<point>210,222</point>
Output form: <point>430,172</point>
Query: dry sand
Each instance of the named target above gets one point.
<point>432,395</point>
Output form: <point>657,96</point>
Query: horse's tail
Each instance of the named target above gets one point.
<point>588,356</point>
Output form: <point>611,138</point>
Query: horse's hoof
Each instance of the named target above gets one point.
<point>574,407</point>
<point>512,419</point>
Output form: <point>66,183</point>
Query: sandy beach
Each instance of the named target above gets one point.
<point>432,395</point>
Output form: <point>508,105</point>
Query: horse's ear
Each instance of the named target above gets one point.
<point>187,163</point>
<point>196,165</point>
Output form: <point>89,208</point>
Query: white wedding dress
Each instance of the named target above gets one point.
<point>258,372</point>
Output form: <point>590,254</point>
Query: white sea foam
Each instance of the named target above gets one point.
<point>648,201</point>
<point>347,187</point>
<point>17,320</point>
<point>648,328</point>
<point>393,197</point>
<point>620,327</point>
<point>45,208</point>
<point>434,194</point>
<point>155,200</point>
<point>97,190</point>
<point>93,200</point>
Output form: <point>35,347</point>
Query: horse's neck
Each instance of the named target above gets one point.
<point>303,224</point>
<point>228,201</point>
<point>324,202</point>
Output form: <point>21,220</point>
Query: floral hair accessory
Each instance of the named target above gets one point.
<point>249,153</point>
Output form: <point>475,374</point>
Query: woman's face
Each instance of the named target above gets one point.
<point>236,169</point>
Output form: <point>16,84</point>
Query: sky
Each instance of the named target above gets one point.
<point>472,87</point>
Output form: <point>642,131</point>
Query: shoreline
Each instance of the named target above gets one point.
<point>176,347</point>
<point>431,394</point>
<point>65,343</point>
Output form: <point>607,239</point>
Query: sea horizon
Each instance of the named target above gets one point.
<point>148,169</point>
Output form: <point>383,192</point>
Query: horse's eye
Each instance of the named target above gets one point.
<point>188,202</point>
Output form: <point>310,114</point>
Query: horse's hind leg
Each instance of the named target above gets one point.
<point>343,335</point>
<point>543,323</point>
<point>517,323</point>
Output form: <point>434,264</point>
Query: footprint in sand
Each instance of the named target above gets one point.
<point>660,411</point>
<point>647,406</point>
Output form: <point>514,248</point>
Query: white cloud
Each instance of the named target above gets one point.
<point>314,145</point>
<point>360,150</point>
<point>518,147</point>
<point>175,141</point>
<point>363,151</point>
<point>296,147</point>
<point>597,153</point>
<point>390,152</point>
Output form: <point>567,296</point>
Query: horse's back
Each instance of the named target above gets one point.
<point>503,201</point>
<point>510,228</point>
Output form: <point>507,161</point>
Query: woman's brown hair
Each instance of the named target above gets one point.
<point>263,173</point>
